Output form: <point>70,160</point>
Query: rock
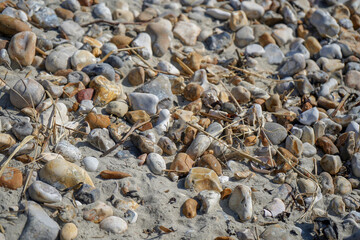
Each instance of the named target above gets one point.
<point>72,5</point>
<point>241,202</point>
<point>355,164</point>
<point>87,194</point>
<point>108,174</point>
<point>139,115</point>
<point>91,164</point>
<point>275,232</point>
<point>118,130</point>
<point>166,66</point>
<point>105,90</point>
<point>68,151</point>
<point>273,54</point>
<point>252,10</point>
<point>241,94</point>
<point>68,232</point>
<point>136,76</point>
<point>22,48</point>
<point>274,208</point>
<point>254,50</point>
<point>79,76</point>
<point>202,179</point>
<point>342,185</point>
<point>193,91</point>
<point>114,224</point>
<point>46,18</point>
<point>167,145</point>
<point>121,41</point>
<point>98,213</point>
<point>244,36</point>
<point>22,129</point>
<point>102,11</point>
<point>63,174</point>
<point>351,79</point>
<point>309,149</point>
<point>326,145</point>
<point>306,185</point>
<point>275,132</point>
<point>118,108</point>
<point>156,163</point>
<point>331,51</point>
<point>293,65</point>
<point>237,20</point>
<point>294,145</point>
<point>143,40</point>
<point>81,59</point>
<point>146,15</point>
<point>131,216</point>
<point>187,32</point>
<point>58,59</point>
<point>210,161</point>
<point>327,185</point>
<point>4,58</point>
<point>54,90</point>
<point>331,163</point>
<point>97,120</point>
<point>189,208</point>
<point>72,30</point>
<point>11,178</point>
<point>39,225</point>
<point>313,45</point>
<point>144,101</point>
<point>100,139</point>
<point>309,116</point>
<point>44,193</point>
<point>181,166</point>
<point>324,23</point>
<point>161,36</point>
<point>26,93</point>
<point>218,41</point>
<point>209,200</point>
<point>6,141</point>
<point>282,34</point>
<point>337,205</point>
<point>218,13</point>
<point>10,26</point>
<point>97,69</point>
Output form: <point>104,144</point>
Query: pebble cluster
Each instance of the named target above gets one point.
<point>150,118</point>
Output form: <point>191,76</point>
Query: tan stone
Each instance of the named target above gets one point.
<point>98,213</point>
<point>97,120</point>
<point>203,179</point>
<point>211,162</point>
<point>64,13</point>
<point>11,178</point>
<point>6,141</point>
<point>121,41</point>
<point>342,185</point>
<point>108,174</point>
<point>136,76</point>
<point>266,39</point>
<point>105,90</point>
<point>11,26</point>
<point>138,115</point>
<point>189,208</point>
<point>22,47</point>
<point>193,91</point>
<point>237,20</point>
<point>68,232</point>
<point>313,45</point>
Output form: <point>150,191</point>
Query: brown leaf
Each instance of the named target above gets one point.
<point>166,230</point>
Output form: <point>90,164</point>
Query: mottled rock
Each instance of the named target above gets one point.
<point>202,179</point>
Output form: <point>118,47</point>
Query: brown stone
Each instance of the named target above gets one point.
<point>86,3</point>
<point>241,94</point>
<point>108,174</point>
<point>24,158</point>
<point>239,175</point>
<point>313,45</point>
<point>226,193</point>
<point>250,140</point>
<point>194,106</point>
<point>273,104</point>
<point>189,135</point>
<point>352,79</point>
<point>138,115</point>
<point>121,41</point>
<point>136,76</point>
<point>210,161</point>
<point>97,120</point>
<point>11,26</point>
<point>64,13</point>
<point>105,90</point>
<point>205,122</point>
<point>193,60</point>
<point>238,19</point>
<point>193,91</point>
<point>326,103</point>
<point>340,12</point>
<point>326,145</point>
<point>85,94</point>
<point>71,89</point>
<point>189,208</point>
<point>356,21</point>
<point>4,44</point>
<point>301,31</point>
<point>63,72</point>
<point>266,39</point>
<point>98,213</point>
<point>178,86</point>
<point>12,178</point>
<point>147,15</point>
<point>182,163</point>
<point>283,165</point>
<point>203,179</point>
<point>22,47</point>
<point>6,141</point>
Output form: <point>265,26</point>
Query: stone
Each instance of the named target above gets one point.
<point>193,91</point>
<point>4,58</point>
<point>218,41</point>
<point>325,24</point>
<point>114,224</point>
<point>44,193</point>
<point>309,116</point>
<point>294,145</point>
<point>104,69</point>
<point>46,18</point>
<point>100,139</point>
<point>327,185</point>
<point>102,11</point>
<point>85,94</point>
<point>64,13</point>
<point>355,164</point>
<point>273,104</point>
<point>105,90</point>
<point>143,40</point>
<point>285,159</point>
<point>78,76</point>
<point>274,208</point>
<point>22,48</point>
<point>98,213</point>
<point>241,94</point>
<point>118,130</point>
<point>26,93</point>
<point>72,29</point>
<point>167,67</point>
<point>136,76</point>
<point>121,41</point>
<point>90,163</point>
<point>309,149</point>
<point>161,36</point>
<point>187,32</point>
<point>275,132</point>
<point>11,178</point>
<point>331,51</point>
<point>39,225</point>
<point>139,115</point>
<point>58,59</point>
<point>68,151</point>
<point>6,141</point>
<point>252,10</point>
<point>189,208</point>
<point>63,174</point>
<point>275,232</point>
<point>156,163</point>
<point>254,50</point>
<point>108,174</point>
<point>146,15</point>
<point>306,185</point>
<point>331,163</point>
<point>210,161</point>
<point>351,79</point>
<point>313,45</point>
<point>209,200</point>
<point>68,232</point>
<point>145,145</point>
<point>273,54</point>
<point>22,129</point>
<point>238,19</point>
<point>218,13</point>
<point>130,216</point>
<point>326,145</point>
<point>181,165</point>
<point>337,205</point>
<point>293,65</point>
<point>201,179</point>
<point>87,194</point>
<point>72,5</point>
<point>97,120</point>
<point>167,145</point>
<point>10,26</point>
<point>342,185</point>
<point>86,106</point>
<point>282,34</point>
<point>144,101</point>
<point>118,108</point>
<point>81,59</point>
<point>241,202</point>
<point>123,15</point>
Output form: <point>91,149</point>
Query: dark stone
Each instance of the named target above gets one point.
<point>87,194</point>
<point>97,69</point>
<point>218,41</point>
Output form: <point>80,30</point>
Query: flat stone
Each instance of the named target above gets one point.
<point>156,163</point>
<point>241,202</point>
<point>275,132</point>
<point>44,193</point>
<point>114,224</point>
<point>324,23</point>
<point>100,139</point>
<point>144,101</point>
<point>218,41</point>
<point>187,32</point>
<point>68,151</point>
<point>202,179</point>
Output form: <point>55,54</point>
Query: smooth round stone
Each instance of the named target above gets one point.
<point>309,116</point>
<point>144,101</point>
<point>244,36</point>
<point>72,5</point>
<point>218,41</point>
<point>91,164</point>
<point>355,164</point>
<point>218,13</point>
<point>81,59</point>
<point>58,59</point>
<point>167,67</point>
<point>187,32</point>
<point>114,224</point>
<point>104,69</point>
<point>26,92</point>
<point>308,150</point>
<point>43,192</point>
<point>156,163</point>
<point>143,40</point>
<point>22,47</point>
<point>68,151</point>
<point>331,51</point>
<point>72,29</point>
<point>293,65</point>
<point>115,61</point>
<point>254,50</point>
<point>46,18</point>
<point>68,232</point>
<point>252,10</point>
<point>107,48</point>
<point>22,129</point>
<point>298,47</point>
<point>100,138</point>
<point>12,12</point>
<point>4,58</point>
<point>275,132</point>
<point>273,54</point>
<point>102,11</point>
<point>331,163</point>
<point>117,108</point>
<point>324,23</point>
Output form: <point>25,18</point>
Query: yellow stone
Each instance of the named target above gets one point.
<point>105,90</point>
<point>200,179</point>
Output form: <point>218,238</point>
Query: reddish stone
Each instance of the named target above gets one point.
<point>85,94</point>
<point>97,120</point>
<point>326,145</point>
<point>11,178</point>
<point>63,72</point>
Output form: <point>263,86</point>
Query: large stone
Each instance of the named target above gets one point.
<point>187,32</point>
<point>58,59</point>
<point>27,93</point>
<point>275,132</point>
<point>45,193</point>
<point>105,90</point>
<point>144,101</point>
<point>22,48</point>
<point>203,179</point>
<point>161,36</point>
<point>10,26</point>
<point>100,139</point>
<point>324,23</point>
<point>241,202</point>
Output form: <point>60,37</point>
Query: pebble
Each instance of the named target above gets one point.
<point>326,145</point>
<point>274,208</point>
<point>241,94</point>
<point>87,194</point>
<point>90,163</point>
<point>46,18</point>
<point>143,40</point>
<point>218,41</point>
<point>22,48</point>
<point>167,145</point>
<point>355,164</point>
<point>190,207</point>
<point>254,50</point>
<point>114,224</point>
<point>6,141</point>
<point>201,179</point>
<point>209,200</point>
<point>44,193</point>
<point>72,5</point>
<point>325,24</point>
<point>131,216</point>
<point>241,202</point>
<point>22,129</point>
<point>308,149</point>
<point>86,106</point>
<point>309,116</point>
<point>331,51</point>
<point>282,34</point>
<point>252,10</point>
<point>342,185</point>
<point>331,163</point>
<point>275,132</point>
<point>238,19</point>
<point>136,76</point>
<point>218,13</point>
<point>11,178</point>
<point>11,26</point>
<point>193,91</point>
<point>187,32</point>
<point>244,36</point>
<point>39,225</point>
<point>68,151</point>
<point>102,11</point>
<point>105,90</point>
<point>156,163</point>
<point>327,185</point>
<point>72,29</point>
<point>98,213</point>
<point>337,205</point>
<point>273,54</point>
<point>144,101</point>
<point>68,232</point>
<point>161,36</point>
<point>81,59</point>
<point>293,65</point>
<point>26,93</point>
<point>97,69</point>
<point>210,161</point>
<point>58,59</point>
<point>181,165</point>
<point>108,174</point>
<point>100,139</point>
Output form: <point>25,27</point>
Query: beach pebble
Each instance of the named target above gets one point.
<point>326,181</point>
<point>182,163</point>
<point>156,163</point>
<point>238,19</point>
<point>282,34</point>
<point>342,185</point>
<point>25,92</point>
<point>190,207</point>
<point>201,179</point>
<point>167,145</point>
<point>97,69</point>
<point>22,129</point>
<point>114,224</point>
<point>72,29</point>
<point>145,145</point>
<point>193,91</point>
<point>63,174</point>
<point>39,225</point>
<point>4,58</point>
<point>218,41</point>
<point>274,232</point>
<point>44,193</point>
<point>355,164</point>
<point>144,101</point>
<point>87,194</point>
<point>90,163</point>
<point>68,232</point>
<point>68,151</point>
<point>117,108</point>
<point>102,11</point>
<point>308,150</point>
<point>293,65</point>
<point>325,24</point>
<point>210,161</point>
<point>6,141</point>
<point>275,132</point>
<point>86,106</point>
<point>105,90</point>
<point>11,178</point>
<point>187,32</point>
<point>22,47</point>
<point>218,13</point>
<point>161,36</point>
<point>46,18</point>
<point>274,208</point>
<point>136,76</point>
<point>244,36</point>
<point>241,94</point>
<point>273,54</point>
<point>72,5</point>
<point>254,50</point>
<point>309,116</point>
<point>100,139</point>
<point>241,202</point>
<point>209,200</point>
<point>163,122</point>
<point>166,66</point>
<point>331,51</point>
<point>98,213</point>
<point>306,185</point>
<point>58,59</point>
<point>252,10</point>
<point>143,40</point>
<point>131,216</point>
<point>294,145</point>
<point>10,26</point>
<point>326,145</point>
<point>331,163</point>
<point>81,59</point>
<point>337,205</point>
